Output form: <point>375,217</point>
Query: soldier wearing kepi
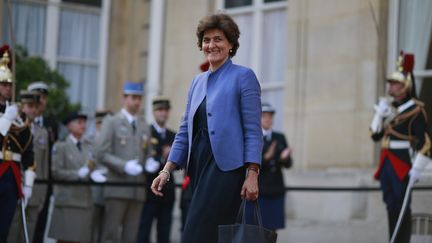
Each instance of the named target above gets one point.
<point>50,124</point>
<point>72,214</point>
<point>30,106</point>
<point>16,153</point>
<point>402,127</point>
<point>123,146</point>
<point>159,208</point>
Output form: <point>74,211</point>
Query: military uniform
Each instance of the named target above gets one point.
<point>403,133</point>
<point>156,207</point>
<point>50,124</point>
<point>36,202</point>
<point>120,143</point>
<point>16,155</point>
<point>72,214</point>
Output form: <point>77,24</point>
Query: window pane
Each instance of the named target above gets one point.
<point>269,1</point>
<point>83,84</point>
<point>274,45</point>
<point>95,3</point>
<point>79,35</point>
<point>243,55</point>
<point>29,26</point>
<point>415,27</point>
<point>275,98</point>
<point>237,3</point>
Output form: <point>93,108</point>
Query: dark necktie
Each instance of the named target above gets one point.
<point>133,123</point>
<point>79,145</point>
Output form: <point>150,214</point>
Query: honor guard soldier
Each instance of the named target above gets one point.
<point>72,161</point>
<point>400,123</point>
<point>123,146</point>
<point>155,207</point>
<point>17,150</point>
<point>30,107</point>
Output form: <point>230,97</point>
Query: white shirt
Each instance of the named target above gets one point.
<point>131,118</point>
<point>159,129</point>
<point>39,120</point>
<point>267,133</point>
<point>74,139</point>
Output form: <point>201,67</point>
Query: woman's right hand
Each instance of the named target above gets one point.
<point>158,184</point>
<point>162,179</point>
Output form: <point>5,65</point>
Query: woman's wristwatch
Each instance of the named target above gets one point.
<point>253,168</point>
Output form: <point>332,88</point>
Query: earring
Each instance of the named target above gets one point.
<point>230,50</point>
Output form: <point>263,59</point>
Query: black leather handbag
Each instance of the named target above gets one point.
<point>240,232</point>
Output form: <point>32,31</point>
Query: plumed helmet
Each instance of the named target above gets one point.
<point>404,69</point>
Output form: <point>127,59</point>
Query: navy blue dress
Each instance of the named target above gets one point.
<point>216,193</point>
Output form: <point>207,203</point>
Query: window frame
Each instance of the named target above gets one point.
<point>257,10</point>
<point>392,42</point>
<point>51,53</point>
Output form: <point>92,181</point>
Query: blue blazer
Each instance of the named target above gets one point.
<point>233,116</point>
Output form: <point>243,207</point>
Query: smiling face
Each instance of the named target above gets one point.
<point>216,47</point>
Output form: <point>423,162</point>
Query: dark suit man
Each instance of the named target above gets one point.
<point>159,208</point>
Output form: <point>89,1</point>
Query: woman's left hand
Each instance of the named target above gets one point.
<point>250,186</point>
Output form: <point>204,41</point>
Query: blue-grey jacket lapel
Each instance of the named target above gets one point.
<point>197,96</point>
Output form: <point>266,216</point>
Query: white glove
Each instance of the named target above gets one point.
<point>377,123</point>
<point>83,172</point>
<point>133,168</point>
<point>383,108</point>
<point>151,165</point>
<point>420,162</point>
<point>29,177</point>
<point>414,175</point>
<point>27,191</point>
<point>98,176</point>
<point>7,118</point>
<point>11,111</point>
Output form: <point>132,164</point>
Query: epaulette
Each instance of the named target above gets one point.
<point>18,129</point>
<point>419,102</point>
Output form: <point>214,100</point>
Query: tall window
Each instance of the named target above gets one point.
<point>263,41</point>
<point>413,28</point>
<point>68,34</point>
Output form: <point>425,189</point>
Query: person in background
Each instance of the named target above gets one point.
<point>72,214</point>
<point>401,126</point>
<point>159,208</point>
<point>220,139</point>
<point>51,125</point>
<point>97,191</point>
<point>17,150</point>
<point>123,146</point>
<point>276,156</point>
<point>30,107</point>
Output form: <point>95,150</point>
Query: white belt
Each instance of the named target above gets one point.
<point>399,145</point>
<point>15,156</point>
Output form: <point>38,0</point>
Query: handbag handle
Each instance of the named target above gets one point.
<point>241,216</point>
